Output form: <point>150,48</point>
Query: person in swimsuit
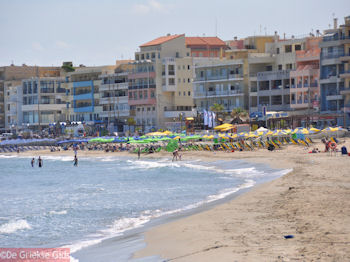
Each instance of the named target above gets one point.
<point>32,162</point>
<point>40,162</point>
<point>75,161</point>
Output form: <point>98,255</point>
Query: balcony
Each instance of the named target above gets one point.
<point>334,97</point>
<point>141,87</point>
<point>345,74</point>
<point>114,86</point>
<point>207,94</point>
<point>116,113</point>
<point>47,90</point>
<point>114,100</point>
<point>273,75</point>
<point>169,88</point>
<point>216,78</point>
<point>144,101</point>
<point>176,113</point>
<point>345,57</point>
<point>86,96</point>
<point>87,109</point>
<point>345,91</point>
<point>136,75</point>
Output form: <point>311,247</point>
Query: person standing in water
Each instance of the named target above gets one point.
<point>40,162</point>
<point>75,161</point>
<point>32,162</point>
<point>138,152</point>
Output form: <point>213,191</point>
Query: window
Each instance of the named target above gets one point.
<point>288,49</point>
<point>140,95</point>
<point>279,67</point>
<point>148,109</point>
<point>179,93</point>
<point>143,109</point>
<point>189,80</point>
<point>177,54</point>
<point>277,50</point>
<point>187,54</point>
<point>138,109</point>
<point>184,93</point>
<point>145,94</point>
<point>189,93</point>
<point>188,67</point>
<point>153,108</point>
<point>183,67</point>
<point>297,47</point>
<point>152,94</point>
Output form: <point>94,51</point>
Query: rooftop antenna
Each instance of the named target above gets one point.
<point>260,29</point>
<point>216,26</point>
<point>265,30</point>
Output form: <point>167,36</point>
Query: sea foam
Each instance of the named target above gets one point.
<point>13,226</point>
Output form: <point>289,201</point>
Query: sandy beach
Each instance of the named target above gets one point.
<point>312,203</point>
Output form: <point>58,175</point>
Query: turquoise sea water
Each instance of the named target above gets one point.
<point>61,205</point>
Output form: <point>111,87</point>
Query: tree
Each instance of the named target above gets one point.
<point>219,110</point>
<point>239,115</point>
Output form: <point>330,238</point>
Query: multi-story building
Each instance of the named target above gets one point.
<point>270,76</point>
<point>333,76</point>
<point>345,76</point>
<point>304,83</point>
<point>163,72</point>
<point>43,101</point>
<point>219,82</point>
<point>114,97</point>
<point>13,106</point>
<point>10,78</point>
<point>83,95</point>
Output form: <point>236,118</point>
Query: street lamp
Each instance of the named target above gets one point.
<point>181,117</point>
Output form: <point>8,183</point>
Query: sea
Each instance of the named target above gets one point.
<point>100,204</point>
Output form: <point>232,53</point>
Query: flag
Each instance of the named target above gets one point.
<point>210,119</point>
<point>214,117</point>
<point>205,117</point>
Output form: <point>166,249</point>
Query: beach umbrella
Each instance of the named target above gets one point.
<point>223,126</point>
<point>243,135</point>
<point>314,130</point>
<point>301,130</point>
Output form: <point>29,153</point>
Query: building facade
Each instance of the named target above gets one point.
<point>43,101</point>
<point>219,82</point>
<point>333,74</point>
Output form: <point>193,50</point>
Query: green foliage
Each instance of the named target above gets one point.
<point>217,108</point>
<point>131,121</point>
<point>239,112</point>
<point>68,68</point>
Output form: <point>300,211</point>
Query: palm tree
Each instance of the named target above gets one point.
<point>218,109</point>
<point>238,114</point>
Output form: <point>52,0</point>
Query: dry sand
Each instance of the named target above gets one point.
<point>312,203</point>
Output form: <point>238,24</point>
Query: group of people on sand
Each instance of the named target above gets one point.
<point>39,161</point>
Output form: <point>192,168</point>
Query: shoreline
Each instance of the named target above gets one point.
<point>311,203</point>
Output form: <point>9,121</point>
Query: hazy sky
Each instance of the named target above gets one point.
<point>97,32</point>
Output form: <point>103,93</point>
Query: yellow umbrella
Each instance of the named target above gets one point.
<point>301,130</point>
<point>177,137</point>
<point>223,126</point>
<point>167,132</point>
<point>226,129</point>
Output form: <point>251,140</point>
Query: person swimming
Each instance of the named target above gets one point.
<point>32,162</point>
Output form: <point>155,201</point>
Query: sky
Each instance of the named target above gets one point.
<point>98,32</point>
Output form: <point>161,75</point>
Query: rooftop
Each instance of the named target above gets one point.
<point>212,41</point>
<point>161,40</point>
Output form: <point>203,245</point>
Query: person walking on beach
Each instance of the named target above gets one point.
<point>75,160</point>
<point>40,162</point>
<point>138,152</point>
<point>175,155</point>
<point>32,162</point>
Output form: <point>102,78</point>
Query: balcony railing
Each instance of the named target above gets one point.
<point>141,86</point>
<point>217,93</point>
<point>335,38</point>
<point>332,55</point>
<point>47,90</point>
<point>218,77</point>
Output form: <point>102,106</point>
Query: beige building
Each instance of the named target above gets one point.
<point>10,78</point>
<point>160,91</point>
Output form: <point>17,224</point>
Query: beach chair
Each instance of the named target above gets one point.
<point>308,140</point>
<point>293,141</point>
<point>275,144</point>
<point>302,142</point>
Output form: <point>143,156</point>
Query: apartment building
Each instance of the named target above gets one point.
<point>83,94</point>
<point>219,81</point>
<point>160,86</point>
<point>10,78</point>
<point>345,76</point>
<point>333,70</point>
<point>270,76</point>
<point>304,82</point>
<point>114,97</point>
<point>43,101</point>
